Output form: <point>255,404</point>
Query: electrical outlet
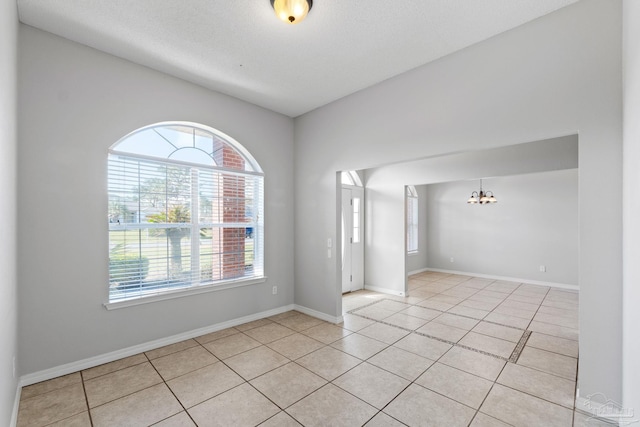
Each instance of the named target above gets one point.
<point>543,268</point>
<point>329,242</point>
<point>451,260</point>
<point>274,290</point>
<point>14,367</point>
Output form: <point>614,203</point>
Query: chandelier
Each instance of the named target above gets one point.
<point>291,11</point>
<point>482,197</point>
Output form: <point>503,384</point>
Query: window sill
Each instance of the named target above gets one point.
<point>213,287</point>
<point>412,253</point>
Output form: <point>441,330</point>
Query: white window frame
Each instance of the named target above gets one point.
<point>253,177</point>
<point>412,218</point>
<point>350,178</point>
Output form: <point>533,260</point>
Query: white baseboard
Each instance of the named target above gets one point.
<point>509,279</point>
<point>16,405</point>
<point>318,314</point>
<point>422,270</point>
<point>610,412</point>
<point>384,290</point>
<point>91,362</point>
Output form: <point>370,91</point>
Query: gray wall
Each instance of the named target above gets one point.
<point>8,198</point>
<point>384,267</point>
<point>418,261</point>
<point>557,75</point>
<point>631,365</point>
<point>534,223</point>
<point>75,102</point>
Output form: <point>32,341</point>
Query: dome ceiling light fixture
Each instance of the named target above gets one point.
<point>483,198</point>
<point>291,11</point>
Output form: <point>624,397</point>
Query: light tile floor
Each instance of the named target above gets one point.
<point>459,351</point>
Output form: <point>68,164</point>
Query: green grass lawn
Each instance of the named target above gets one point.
<point>156,247</point>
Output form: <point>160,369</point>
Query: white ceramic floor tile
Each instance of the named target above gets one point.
<point>489,344</point>
<point>385,333</point>
<point>553,344</point>
<point>455,384</point>
<point>331,406</point>
<point>460,322</point>
<point>142,408</point>
<point>53,406</point>
<point>401,362</point>
<point>444,332</point>
<point>554,330</point>
<point>373,385</point>
<point>255,362</point>
<point>479,364</point>
<point>540,384</point>
<point>520,409</point>
<point>553,363</point>
<point>328,362</point>
<point>423,346</point>
<point>205,383</point>
<point>498,331</point>
<point>288,384</point>
<point>282,419</point>
<point>241,406</point>
<point>359,346</point>
<point>384,420</point>
<point>483,420</point>
<point>418,406</point>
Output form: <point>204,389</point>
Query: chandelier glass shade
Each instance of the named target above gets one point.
<point>482,197</point>
<point>291,11</point>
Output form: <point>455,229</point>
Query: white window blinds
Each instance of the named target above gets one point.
<point>174,225</point>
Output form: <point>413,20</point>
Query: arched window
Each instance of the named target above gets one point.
<point>412,219</point>
<point>185,211</point>
<point>350,178</point>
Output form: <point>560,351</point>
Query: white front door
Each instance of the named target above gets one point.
<point>352,239</point>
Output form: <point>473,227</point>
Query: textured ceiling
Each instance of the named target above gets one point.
<point>240,48</point>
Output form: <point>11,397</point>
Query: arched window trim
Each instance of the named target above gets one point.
<point>257,170</point>
<point>184,163</point>
<point>350,178</point>
<point>257,224</point>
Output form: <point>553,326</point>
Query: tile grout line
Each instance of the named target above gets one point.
<point>248,382</point>
<point>86,398</point>
<point>521,342</point>
<point>438,361</point>
<point>538,397</point>
<point>411,382</point>
<point>457,344</point>
<point>245,381</point>
<point>539,305</point>
<point>297,364</point>
<point>171,390</point>
<point>129,394</point>
<point>361,362</point>
<point>489,392</point>
<point>324,385</point>
<point>434,309</point>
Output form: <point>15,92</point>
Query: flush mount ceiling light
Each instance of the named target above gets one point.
<point>482,198</point>
<point>291,11</point>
